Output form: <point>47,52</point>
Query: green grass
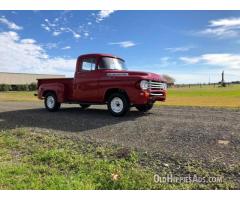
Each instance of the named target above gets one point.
<point>32,160</point>
<point>18,96</point>
<point>206,96</point>
<point>41,160</point>
<point>206,91</point>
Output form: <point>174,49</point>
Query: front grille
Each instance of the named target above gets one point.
<point>154,85</point>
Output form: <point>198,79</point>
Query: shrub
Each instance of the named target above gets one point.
<point>22,87</point>
<point>5,87</point>
<point>32,87</point>
<point>13,87</point>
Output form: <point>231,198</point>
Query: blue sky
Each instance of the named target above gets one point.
<point>191,46</point>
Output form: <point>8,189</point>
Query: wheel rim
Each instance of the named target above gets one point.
<point>50,101</point>
<point>117,104</point>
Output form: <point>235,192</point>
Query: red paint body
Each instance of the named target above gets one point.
<point>93,86</point>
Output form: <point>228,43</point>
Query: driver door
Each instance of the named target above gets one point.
<point>86,81</point>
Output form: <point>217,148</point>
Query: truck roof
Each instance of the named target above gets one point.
<point>100,55</point>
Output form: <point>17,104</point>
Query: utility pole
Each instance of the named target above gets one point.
<point>223,82</point>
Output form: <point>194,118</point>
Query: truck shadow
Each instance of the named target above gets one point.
<point>67,119</point>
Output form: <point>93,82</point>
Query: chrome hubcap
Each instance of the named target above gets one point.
<point>50,101</point>
<point>117,104</point>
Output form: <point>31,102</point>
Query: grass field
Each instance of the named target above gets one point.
<point>208,96</point>
<point>194,96</point>
<point>43,160</point>
<point>18,96</point>
<point>30,160</point>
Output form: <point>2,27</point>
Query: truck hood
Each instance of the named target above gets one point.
<point>142,75</point>
<point>148,75</point>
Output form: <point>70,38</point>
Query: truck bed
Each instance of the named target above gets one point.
<point>67,82</point>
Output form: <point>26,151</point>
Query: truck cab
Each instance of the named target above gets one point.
<point>91,71</point>
<point>104,79</point>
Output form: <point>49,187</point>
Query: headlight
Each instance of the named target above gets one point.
<point>144,85</point>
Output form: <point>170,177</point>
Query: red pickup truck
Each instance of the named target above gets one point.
<point>103,79</point>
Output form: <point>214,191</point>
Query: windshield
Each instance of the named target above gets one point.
<point>111,63</point>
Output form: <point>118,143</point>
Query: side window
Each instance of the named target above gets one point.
<point>88,64</point>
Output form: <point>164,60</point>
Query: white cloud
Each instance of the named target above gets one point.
<point>124,44</point>
<point>227,22</point>
<point>56,33</point>
<point>28,41</point>
<point>50,45</point>
<point>103,14</point>
<point>11,34</point>
<point>223,28</point>
<point>226,60</point>
<point>56,19</point>
<point>26,55</point>
<point>76,35</point>
<point>86,34</point>
<point>66,47</point>
<point>10,25</point>
<point>61,24</point>
<point>56,28</point>
<point>179,49</point>
<point>44,26</point>
<point>190,60</point>
<point>49,23</point>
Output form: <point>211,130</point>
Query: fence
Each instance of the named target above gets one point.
<point>200,85</point>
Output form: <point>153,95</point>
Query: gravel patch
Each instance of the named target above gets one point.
<point>203,134</point>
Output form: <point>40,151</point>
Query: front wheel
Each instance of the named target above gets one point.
<point>51,102</point>
<point>118,104</point>
<point>145,108</point>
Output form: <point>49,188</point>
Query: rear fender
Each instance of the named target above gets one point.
<point>57,88</point>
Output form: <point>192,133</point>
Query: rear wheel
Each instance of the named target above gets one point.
<point>51,102</point>
<point>145,107</point>
<point>118,104</point>
<point>84,106</point>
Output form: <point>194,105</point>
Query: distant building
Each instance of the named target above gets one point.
<point>170,80</point>
<point>23,78</point>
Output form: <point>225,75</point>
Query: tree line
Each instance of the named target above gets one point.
<point>22,87</point>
